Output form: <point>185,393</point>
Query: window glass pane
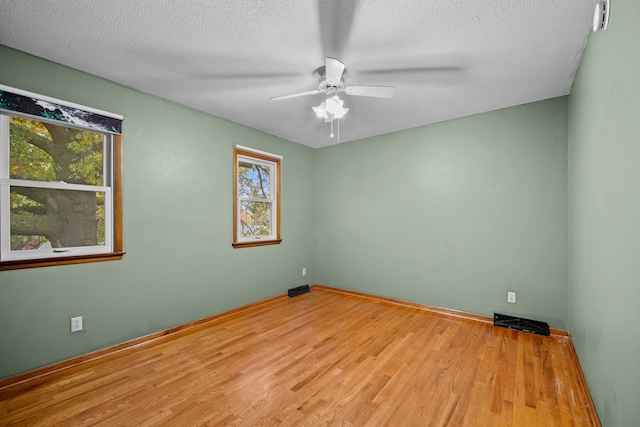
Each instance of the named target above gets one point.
<point>45,152</point>
<point>254,180</point>
<point>255,219</point>
<point>45,218</point>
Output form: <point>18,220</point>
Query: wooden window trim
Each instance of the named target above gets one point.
<point>118,251</point>
<point>242,152</point>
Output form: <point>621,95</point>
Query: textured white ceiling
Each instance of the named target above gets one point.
<point>446,58</point>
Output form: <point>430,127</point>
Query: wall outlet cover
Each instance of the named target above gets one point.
<point>76,324</point>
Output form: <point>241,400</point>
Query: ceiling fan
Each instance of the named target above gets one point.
<point>331,83</point>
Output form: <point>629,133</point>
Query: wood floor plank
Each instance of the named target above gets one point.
<point>322,358</point>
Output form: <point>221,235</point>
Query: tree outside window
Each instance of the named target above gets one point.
<point>59,190</point>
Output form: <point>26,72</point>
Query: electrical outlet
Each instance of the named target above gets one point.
<point>304,271</point>
<point>76,324</point>
<point>511,297</point>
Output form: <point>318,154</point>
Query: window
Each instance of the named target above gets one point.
<point>59,185</point>
<point>256,204</point>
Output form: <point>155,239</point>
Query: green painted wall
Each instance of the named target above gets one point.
<point>180,265</point>
<point>604,215</point>
<point>452,214</point>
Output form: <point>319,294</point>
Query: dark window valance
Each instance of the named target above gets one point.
<point>41,106</point>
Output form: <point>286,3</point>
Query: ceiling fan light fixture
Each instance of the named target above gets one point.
<point>331,109</point>
<point>334,106</point>
<point>320,110</point>
<point>340,113</point>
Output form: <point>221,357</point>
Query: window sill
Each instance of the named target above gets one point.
<point>49,262</point>
<point>238,245</point>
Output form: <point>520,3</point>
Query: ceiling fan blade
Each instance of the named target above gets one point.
<point>295,95</point>
<point>336,23</point>
<point>413,70</point>
<point>375,91</point>
<point>333,70</point>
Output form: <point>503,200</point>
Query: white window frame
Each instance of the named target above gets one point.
<point>273,161</point>
<point>6,254</point>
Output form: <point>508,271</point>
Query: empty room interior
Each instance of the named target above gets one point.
<point>421,166</point>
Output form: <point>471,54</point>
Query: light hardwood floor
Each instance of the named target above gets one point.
<point>325,358</point>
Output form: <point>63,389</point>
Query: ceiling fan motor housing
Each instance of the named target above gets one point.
<point>332,81</point>
<point>330,87</point>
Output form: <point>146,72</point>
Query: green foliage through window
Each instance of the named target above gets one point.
<point>47,217</point>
